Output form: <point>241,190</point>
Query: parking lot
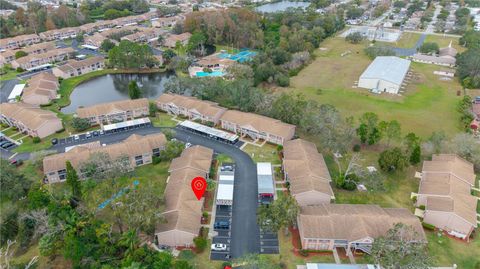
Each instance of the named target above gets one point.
<point>224,213</point>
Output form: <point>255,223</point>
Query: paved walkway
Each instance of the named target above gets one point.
<point>336,257</point>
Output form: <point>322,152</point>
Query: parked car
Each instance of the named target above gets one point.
<point>54,141</point>
<point>95,133</point>
<point>88,135</point>
<point>76,137</point>
<point>7,145</point>
<point>188,145</point>
<point>101,132</point>
<point>219,247</point>
<point>221,225</point>
<point>4,142</point>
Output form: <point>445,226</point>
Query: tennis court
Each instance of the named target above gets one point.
<point>241,57</point>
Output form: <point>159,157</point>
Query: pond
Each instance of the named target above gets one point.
<point>281,6</point>
<point>114,87</point>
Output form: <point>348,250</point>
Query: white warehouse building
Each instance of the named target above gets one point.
<point>385,74</point>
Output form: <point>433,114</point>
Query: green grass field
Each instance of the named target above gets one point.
<point>163,120</point>
<point>266,153</point>
<point>329,79</point>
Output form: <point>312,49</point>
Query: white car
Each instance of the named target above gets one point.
<point>76,137</point>
<point>188,145</point>
<point>219,247</point>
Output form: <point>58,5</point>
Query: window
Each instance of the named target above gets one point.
<point>156,152</point>
<point>139,157</point>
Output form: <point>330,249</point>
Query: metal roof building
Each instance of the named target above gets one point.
<point>266,186</point>
<point>384,74</point>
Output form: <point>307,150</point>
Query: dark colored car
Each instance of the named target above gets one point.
<point>221,225</point>
<point>7,145</point>
<point>54,141</point>
<point>95,133</point>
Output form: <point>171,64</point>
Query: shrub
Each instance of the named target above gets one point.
<point>303,252</point>
<point>428,226</point>
<point>19,69</point>
<point>392,160</point>
<point>379,50</point>
<point>357,148</point>
<point>156,160</point>
<point>414,199</point>
<point>349,185</point>
<point>422,207</point>
<point>36,140</point>
<point>200,244</point>
<point>60,131</point>
<point>354,38</point>
<point>226,264</point>
<point>80,124</point>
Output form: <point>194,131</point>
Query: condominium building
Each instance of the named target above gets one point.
<point>171,40</point>
<point>42,89</point>
<point>55,55</point>
<point>8,56</point>
<point>445,193</point>
<point>18,41</point>
<point>112,112</point>
<point>257,127</point>
<point>183,211</point>
<point>30,119</point>
<point>306,171</point>
<point>73,68</point>
<point>190,107</point>
<point>58,34</point>
<point>145,35</point>
<point>137,149</point>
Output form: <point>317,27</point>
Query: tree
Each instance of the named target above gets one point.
<point>13,184</point>
<point>399,4</point>
<point>107,45</point>
<point>73,182</point>
<point>79,37</point>
<point>200,243</point>
<point>369,131</point>
<point>101,166</point>
<point>416,155</point>
<point>400,248</point>
<point>470,39</point>
<point>133,90</point>
<point>130,55</point>
<point>391,130</point>
<point>469,68</point>
<point>354,37</point>
<point>19,54</point>
<point>379,50</point>
<point>392,160</point>
<point>80,124</point>
<point>168,55</point>
<point>197,43</point>
<point>354,12</point>
<point>429,48</point>
<point>282,212</point>
<point>172,150</point>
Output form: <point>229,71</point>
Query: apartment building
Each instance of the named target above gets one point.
<point>171,40</point>
<point>32,61</point>
<point>257,127</point>
<point>445,193</point>
<point>95,40</point>
<point>137,149</point>
<point>18,41</point>
<point>30,119</point>
<point>8,55</point>
<point>190,107</point>
<point>96,26</point>
<point>73,68</point>
<point>147,35</point>
<point>183,211</point>
<point>306,171</point>
<point>165,22</point>
<point>41,89</point>
<point>58,34</point>
<point>352,227</point>
<point>112,112</point>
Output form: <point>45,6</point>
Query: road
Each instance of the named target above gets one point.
<point>410,51</point>
<point>244,228</point>
<point>6,88</point>
<point>431,26</point>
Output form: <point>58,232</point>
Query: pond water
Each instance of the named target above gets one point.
<point>114,87</point>
<point>281,6</point>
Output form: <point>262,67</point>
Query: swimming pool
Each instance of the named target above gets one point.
<point>211,74</point>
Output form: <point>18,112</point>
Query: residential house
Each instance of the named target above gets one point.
<point>183,211</point>
<point>134,151</point>
<point>190,107</point>
<point>171,40</point>
<point>352,227</point>
<point>59,34</point>
<point>35,60</point>
<point>165,22</point>
<point>30,119</point>
<point>117,111</point>
<point>445,195</point>
<point>73,68</point>
<point>306,171</point>
<point>257,126</point>
<point>18,41</point>
<point>42,89</point>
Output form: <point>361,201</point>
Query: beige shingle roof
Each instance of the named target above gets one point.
<point>132,146</point>
<point>305,167</point>
<point>451,163</point>
<point>196,157</point>
<point>259,123</point>
<point>112,107</point>
<point>206,108</point>
<point>46,55</point>
<point>72,65</point>
<point>30,116</point>
<point>44,84</point>
<point>353,222</point>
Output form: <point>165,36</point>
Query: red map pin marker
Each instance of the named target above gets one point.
<point>199,185</point>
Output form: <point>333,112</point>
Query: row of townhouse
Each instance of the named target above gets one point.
<point>41,89</point>
<point>73,68</point>
<point>134,151</point>
<point>147,35</point>
<point>8,55</point>
<point>246,124</point>
<point>107,113</point>
<point>183,211</point>
<point>30,119</point>
<point>96,26</point>
<point>97,39</point>
<point>18,41</point>
<point>445,193</point>
<point>34,60</point>
<point>57,34</point>
<point>172,40</point>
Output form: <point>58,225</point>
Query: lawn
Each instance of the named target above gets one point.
<point>9,74</point>
<point>266,153</point>
<point>407,40</point>
<point>426,100</point>
<point>447,251</point>
<point>163,120</point>
<point>444,41</point>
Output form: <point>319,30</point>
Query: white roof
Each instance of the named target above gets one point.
<point>209,130</point>
<point>225,192</point>
<point>17,91</point>
<point>264,168</point>
<point>125,124</point>
<point>388,68</point>
<point>225,188</point>
<point>225,178</point>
